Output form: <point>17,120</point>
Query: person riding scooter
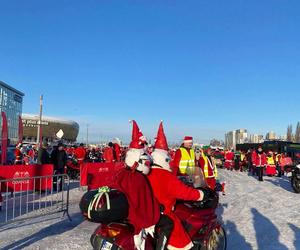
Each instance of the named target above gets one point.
<point>167,189</point>
<point>144,210</point>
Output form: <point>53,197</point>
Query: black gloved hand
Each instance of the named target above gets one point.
<point>207,193</point>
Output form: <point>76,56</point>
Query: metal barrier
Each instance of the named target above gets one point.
<point>24,198</point>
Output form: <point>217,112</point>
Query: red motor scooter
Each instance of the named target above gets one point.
<point>199,219</point>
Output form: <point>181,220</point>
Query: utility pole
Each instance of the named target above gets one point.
<point>39,132</point>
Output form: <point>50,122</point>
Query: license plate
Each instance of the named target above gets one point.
<point>289,174</point>
<point>106,245</point>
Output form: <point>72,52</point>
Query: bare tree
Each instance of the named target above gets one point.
<point>289,134</point>
<point>216,143</point>
<point>297,133</point>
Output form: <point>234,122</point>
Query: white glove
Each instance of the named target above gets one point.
<point>140,240</point>
<point>150,230</point>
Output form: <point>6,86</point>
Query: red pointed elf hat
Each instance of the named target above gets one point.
<point>136,135</point>
<point>161,140</point>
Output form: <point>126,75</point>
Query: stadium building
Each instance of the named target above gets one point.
<point>50,127</point>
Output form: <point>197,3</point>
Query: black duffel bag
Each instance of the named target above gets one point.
<point>104,205</point>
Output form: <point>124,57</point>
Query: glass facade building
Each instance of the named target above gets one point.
<point>11,101</point>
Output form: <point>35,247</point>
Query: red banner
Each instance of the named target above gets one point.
<point>100,174</point>
<point>26,171</point>
<point>20,131</point>
<point>4,138</point>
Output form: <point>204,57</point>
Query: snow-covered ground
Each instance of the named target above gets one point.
<point>260,215</point>
<point>256,216</point>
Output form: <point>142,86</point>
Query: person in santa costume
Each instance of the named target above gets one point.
<point>184,157</point>
<point>144,210</point>
<point>208,166</point>
<point>109,153</point>
<point>18,154</point>
<point>229,159</point>
<point>259,162</point>
<point>167,189</point>
<point>117,149</point>
<point>271,166</point>
<point>278,167</point>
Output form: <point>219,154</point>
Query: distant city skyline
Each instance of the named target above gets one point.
<point>203,68</point>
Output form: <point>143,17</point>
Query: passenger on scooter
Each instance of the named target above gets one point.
<point>167,189</point>
<point>144,210</point>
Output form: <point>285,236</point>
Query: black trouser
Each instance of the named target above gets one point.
<point>58,180</point>
<point>260,172</point>
<point>164,228</point>
<point>249,165</point>
<point>253,170</point>
<point>278,170</point>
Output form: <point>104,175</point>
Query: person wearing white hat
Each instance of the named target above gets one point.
<point>184,157</point>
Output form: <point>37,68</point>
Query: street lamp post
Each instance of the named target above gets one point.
<point>39,132</point>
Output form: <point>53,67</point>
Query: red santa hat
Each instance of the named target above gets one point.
<point>161,140</point>
<point>138,139</point>
<point>187,139</point>
<point>136,158</point>
<point>160,155</point>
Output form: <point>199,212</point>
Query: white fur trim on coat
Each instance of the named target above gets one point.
<point>187,247</point>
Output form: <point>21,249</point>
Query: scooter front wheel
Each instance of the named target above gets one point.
<point>217,239</point>
<point>295,184</point>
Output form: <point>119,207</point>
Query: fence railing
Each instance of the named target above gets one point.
<point>24,198</point>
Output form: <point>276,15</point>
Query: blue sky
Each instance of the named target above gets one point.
<point>204,67</point>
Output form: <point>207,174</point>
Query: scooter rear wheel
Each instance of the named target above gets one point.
<point>217,240</point>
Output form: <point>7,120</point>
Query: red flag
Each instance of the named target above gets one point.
<point>4,139</point>
<point>20,130</point>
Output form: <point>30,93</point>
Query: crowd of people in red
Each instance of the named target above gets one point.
<point>256,161</point>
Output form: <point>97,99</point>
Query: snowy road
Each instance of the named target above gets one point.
<point>256,216</point>
<point>260,215</point>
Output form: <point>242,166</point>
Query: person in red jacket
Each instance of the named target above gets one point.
<point>109,154</point>
<point>229,157</point>
<point>144,210</point>
<point>260,161</point>
<point>117,149</point>
<point>18,155</point>
<point>80,153</point>
<point>167,189</point>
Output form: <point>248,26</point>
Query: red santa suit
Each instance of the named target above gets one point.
<point>144,210</point>
<point>117,150</point>
<point>260,160</point>
<point>108,154</point>
<point>229,157</point>
<point>80,154</point>
<point>31,153</point>
<point>18,156</point>
<point>167,189</point>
